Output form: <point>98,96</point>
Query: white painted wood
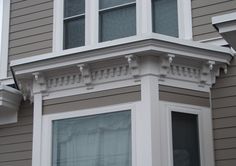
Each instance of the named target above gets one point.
<point>37,130</point>
<point>46,157</point>
<point>58,11</point>
<point>185,19</point>
<point>4,37</point>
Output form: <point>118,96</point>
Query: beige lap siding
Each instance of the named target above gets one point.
<point>16,139</point>
<point>203,11</point>
<point>224,117</point>
<point>92,100</point>
<point>184,96</point>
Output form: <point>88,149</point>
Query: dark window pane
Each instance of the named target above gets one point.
<point>98,140</point>
<point>110,3</point>
<point>74,33</point>
<point>165,17</point>
<point>185,139</point>
<point>74,7</point>
<point>118,23</point>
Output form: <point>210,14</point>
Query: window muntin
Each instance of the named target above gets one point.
<point>74,23</point>
<point>165,17</point>
<point>103,139</point>
<point>185,139</point>
<point>117,19</point>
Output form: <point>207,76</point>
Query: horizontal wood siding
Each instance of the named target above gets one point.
<point>16,139</point>
<point>185,96</point>
<point>31,28</point>
<point>224,117</point>
<point>92,100</point>
<point>203,11</point>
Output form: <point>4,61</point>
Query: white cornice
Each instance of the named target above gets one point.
<point>156,44</point>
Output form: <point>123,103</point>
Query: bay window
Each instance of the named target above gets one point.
<point>117,19</point>
<point>74,23</point>
<point>165,17</point>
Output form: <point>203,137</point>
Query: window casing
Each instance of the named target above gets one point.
<point>133,18</point>
<point>104,136</point>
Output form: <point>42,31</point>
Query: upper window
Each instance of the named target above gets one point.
<point>87,22</point>
<point>117,19</point>
<point>165,17</point>
<point>74,23</point>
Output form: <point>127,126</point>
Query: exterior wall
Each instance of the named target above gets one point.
<point>31,25</point>
<point>203,11</point>
<point>92,100</point>
<point>16,139</point>
<point>184,96</point>
<point>224,117</point>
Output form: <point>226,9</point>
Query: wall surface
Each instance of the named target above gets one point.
<point>31,25</point>
<point>184,96</point>
<point>203,11</point>
<point>224,117</point>
<point>92,100</point>
<point>16,139</point>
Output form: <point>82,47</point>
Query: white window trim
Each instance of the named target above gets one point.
<point>143,23</point>
<point>185,19</point>
<point>46,144</point>
<point>205,126</point>
<point>4,37</point>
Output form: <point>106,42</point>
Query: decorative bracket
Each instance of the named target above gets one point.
<point>39,83</point>
<point>165,64</point>
<point>85,73</point>
<point>133,65</point>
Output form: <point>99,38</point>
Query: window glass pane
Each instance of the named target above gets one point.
<point>74,33</point>
<point>74,7</point>
<point>165,17</point>
<point>99,140</point>
<point>110,3</point>
<point>185,139</point>
<point>117,23</point>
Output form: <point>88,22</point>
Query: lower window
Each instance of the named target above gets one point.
<point>185,139</point>
<point>95,140</point>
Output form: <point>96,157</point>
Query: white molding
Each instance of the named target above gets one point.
<point>58,12</point>
<point>185,19</point>
<point>219,41</point>
<point>4,37</point>
<point>47,127</point>
<point>205,131</point>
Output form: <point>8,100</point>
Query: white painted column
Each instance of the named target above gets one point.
<point>144,17</point>
<point>37,129</point>
<point>39,86</point>
<point>148,117</point>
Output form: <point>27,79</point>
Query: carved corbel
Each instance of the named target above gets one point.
<point>86,74</point>
<point>165,64</point>
<point>26,88</point>
<point>206,72</point>
<point>133,65</point>
<point>39,83</point>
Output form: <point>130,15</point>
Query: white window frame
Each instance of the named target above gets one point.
<point>206,148</point>
<point>46,153</point>
<point>143,23</point>
<point>4,37</point>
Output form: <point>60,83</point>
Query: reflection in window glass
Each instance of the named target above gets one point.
<point>165,17</point>
<point>185,139</point>
<point>99,140</point>
<point>117,21</point>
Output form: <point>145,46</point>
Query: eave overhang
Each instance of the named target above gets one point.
<point>10,100</point>
<point>141,46</point>
<point>226,25</point>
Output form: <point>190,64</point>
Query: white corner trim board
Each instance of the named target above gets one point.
<point>4,33</point>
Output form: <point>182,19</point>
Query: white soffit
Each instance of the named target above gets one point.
<point>226,25</point>
<point>10,99</point>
